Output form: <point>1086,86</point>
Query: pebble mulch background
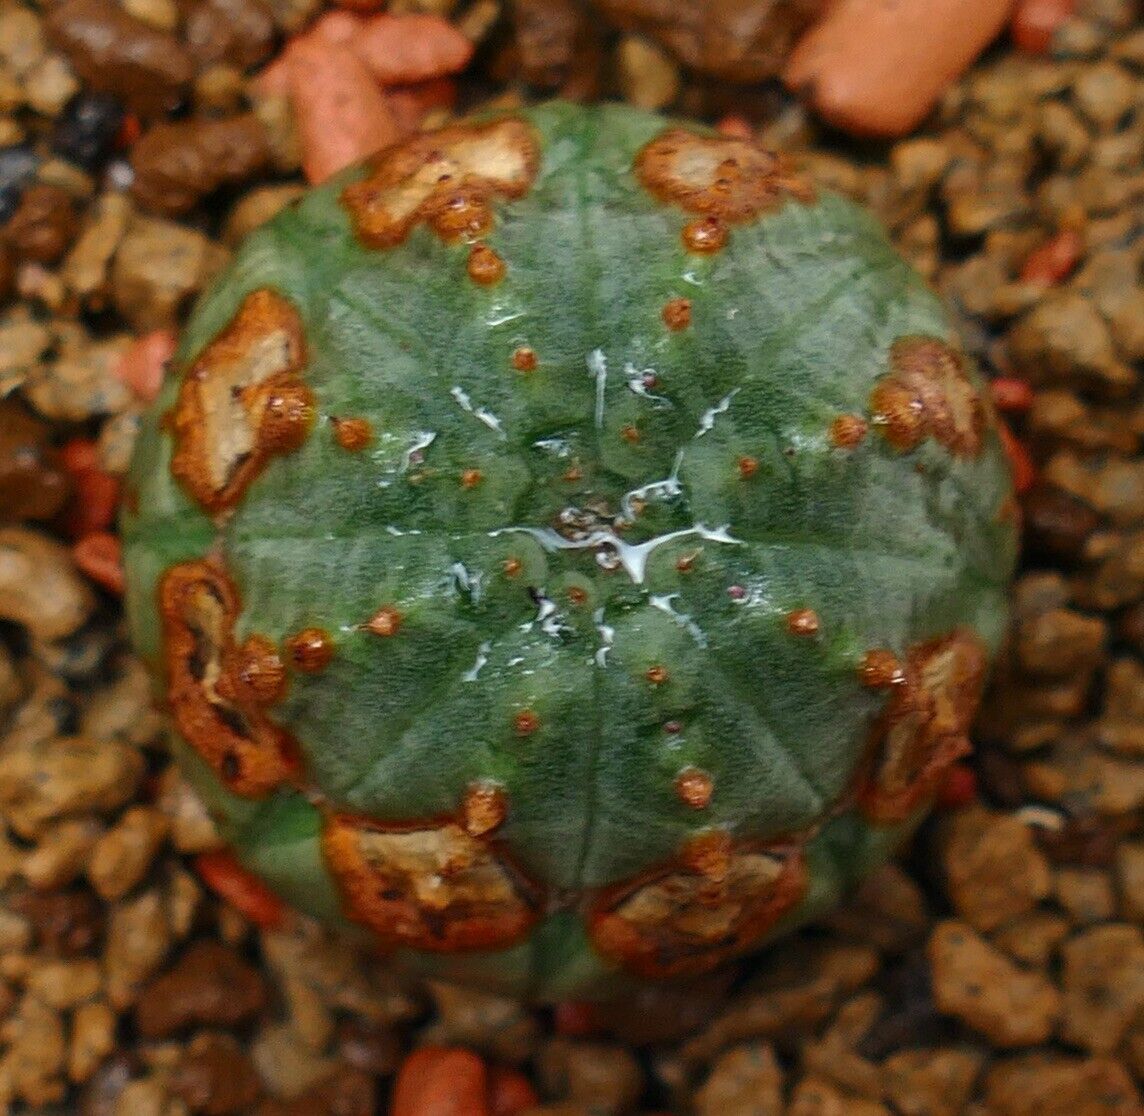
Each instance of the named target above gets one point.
<point>999,970</point>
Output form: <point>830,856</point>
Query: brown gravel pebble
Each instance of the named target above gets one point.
<point>215,1077</point>
<point>980,986</point>
<point>92,1039</point>
<point>993,868</point>
<point>1049,1085</point>
<point>138,938</point>
<point>240,32</point>
<point>1103,986</point>
<point>1085,893</point>
<point>603,1077</point>
<point>210,985</point>
<point>1033,939</point>
<point>158,269</point>
<point>65,923</point>
<point>31,485</point>
<point>62,777</point>
<point>745,1081</point>
<point>114,53</point>
<point>121,857</point>
<point>931,1082</point>
<point>1130,878</point>
<point>815,1097</point>
<point>177,164</point>
<point>344,1093</point>
<point>744,41</point>
<point>44,224</point>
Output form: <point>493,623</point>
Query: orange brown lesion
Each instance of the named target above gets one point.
<point>924,727</point>
<point>928,394</point>
<point>218,692</point>
<point>352,434</point>
<point>428,885</point>
<point>694,788</point>
<point>676,314</point>
<point>848,431</point>
<point>726,179</point>
<point>241,402</point>
<point>716,901</point>
<point>446,179</point>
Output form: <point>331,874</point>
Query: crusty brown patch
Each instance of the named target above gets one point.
<point>714,902</point>
<point>217,691</point>
<point>446,179</point>
<point>428,885</point>
<point>925,725</point>
<point>716,176</point>
<point>484,808</point>
<point>848,431</point>
<point>927,394</point>
<point>241,402</point>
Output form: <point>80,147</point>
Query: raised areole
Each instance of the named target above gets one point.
<point>570,548</point>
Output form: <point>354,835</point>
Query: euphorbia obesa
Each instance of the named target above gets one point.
<point>570,549</point>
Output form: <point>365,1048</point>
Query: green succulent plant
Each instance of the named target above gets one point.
<point>570,549</point>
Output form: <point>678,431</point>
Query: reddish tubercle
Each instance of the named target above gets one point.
<point>385,622</point>
<point>525,723</point>
<point>524,359</point>
<point>734,126</point>
<point>310,650</point>
<point>677,313</point>
<point>880,669</point>
<point>802,622</point>
<point>352,434</point>
<point>694,788</point>
<point>704,236</point>
<point>485,266</point>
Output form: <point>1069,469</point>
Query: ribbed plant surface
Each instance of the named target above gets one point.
<point>570,548</point>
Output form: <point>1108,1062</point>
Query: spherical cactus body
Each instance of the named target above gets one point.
<point>570,549</point>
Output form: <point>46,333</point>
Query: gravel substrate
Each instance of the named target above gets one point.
<point>999,969</point>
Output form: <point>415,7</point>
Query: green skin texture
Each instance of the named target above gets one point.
<point>796,316</point>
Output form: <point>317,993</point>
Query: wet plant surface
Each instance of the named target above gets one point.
<point>995,969</point>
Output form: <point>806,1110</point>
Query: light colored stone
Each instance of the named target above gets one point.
<point>745,1081</point>
<point>65,984</point>
<point>138,938</point>
<point>931,1082</point>
<point>65,777</point>
<point>649,77</point>
<point>1103,986</point>
<point>92,1039</point>
<point>993,869</point>
<point>979,985</point>
<point>121,857</point>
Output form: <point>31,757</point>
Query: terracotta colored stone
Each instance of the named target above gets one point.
<point>877,68</point>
